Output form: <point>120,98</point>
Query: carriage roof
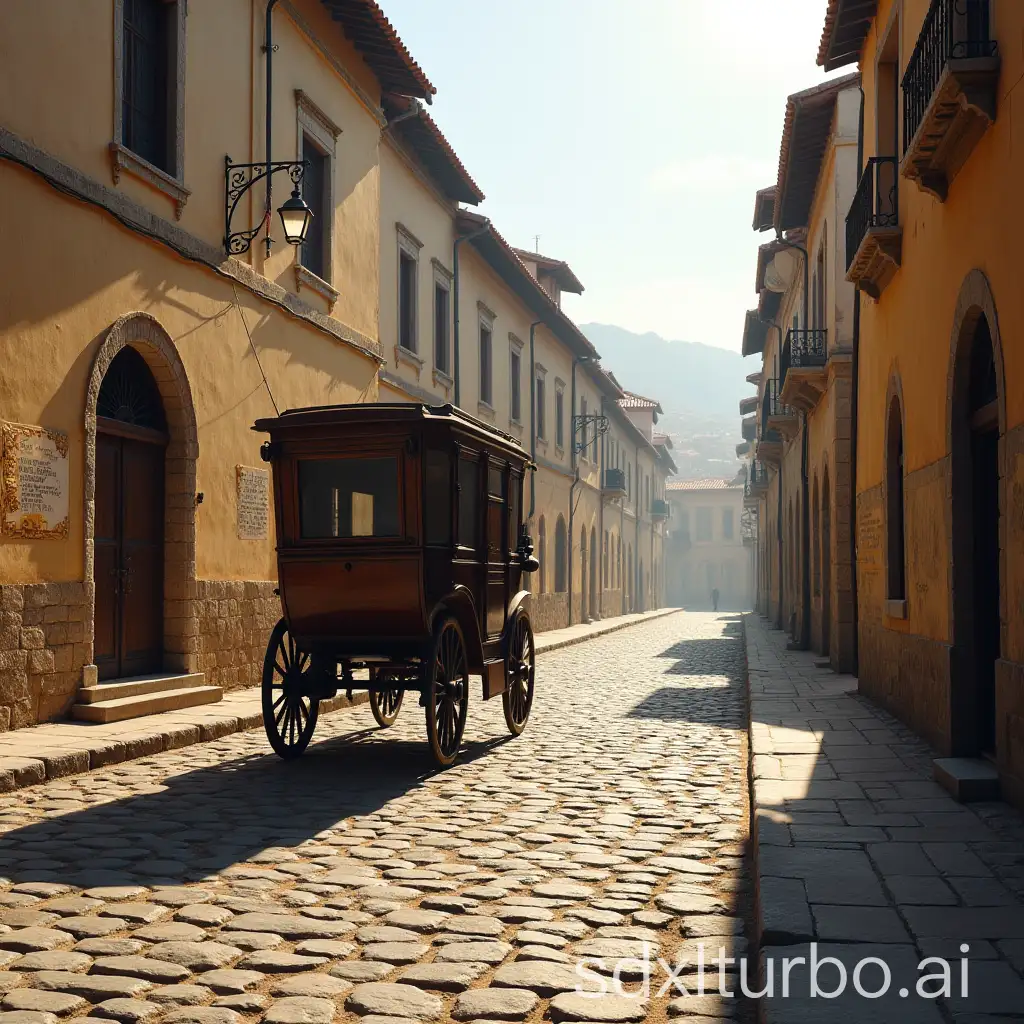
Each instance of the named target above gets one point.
<point>300,421</point>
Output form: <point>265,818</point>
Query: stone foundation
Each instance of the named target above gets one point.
<point>45,639</point>
<point>233,623</point>
<point>550,611</point>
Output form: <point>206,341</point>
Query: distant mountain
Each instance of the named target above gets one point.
<point>698,386</point>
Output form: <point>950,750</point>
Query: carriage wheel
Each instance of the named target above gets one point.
<point>448,692</point>
<point>385,704</point>
<point>518,696</point>
<point>289,713</point>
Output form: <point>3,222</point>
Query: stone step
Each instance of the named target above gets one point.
<point>134,686</point>
<point>968,779</point>
<point>122,708</point>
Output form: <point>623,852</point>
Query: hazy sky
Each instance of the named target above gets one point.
<point>630,135</point>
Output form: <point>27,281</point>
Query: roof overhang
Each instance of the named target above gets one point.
<point>768,305</point>
<point>847,23</point>
<point>418,130</point>
<point>748,405</point>
<point>558,269</point>
<point>764,208</point>
<point>805,137</point>
<point>765,255</point>
<point>755,331</point>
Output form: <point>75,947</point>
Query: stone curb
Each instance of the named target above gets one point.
<point>66,758</point>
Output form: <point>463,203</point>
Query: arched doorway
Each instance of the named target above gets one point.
<point>139,540</point>
<point>583,575</point>
<point>976,415</point>
<point>595,609</point>
<point>826,565</point>
<point>131,437</point>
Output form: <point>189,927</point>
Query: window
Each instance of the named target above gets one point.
<point>559,418</point>
<point>704,524</point>
<point>442,320</point>
<point>895,533</point>
<point>584,444</point>
<point>437,518</point>
<point>604,561</point>
<point>486,376</point>
<point>314,191</point>
<point>541,408</point>
<point>348,497</point>
<point>515,377</point>
<point>147,90</point>
<point>560,556</point>
<point>406,300</point>
<point>469,503</point>
<point>727,523</point>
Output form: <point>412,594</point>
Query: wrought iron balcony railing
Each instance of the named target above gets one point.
<point>876,204</point>
<point>660,508</point>
<point>615,481</point>
<point>807,348</point>
<point>772,405</point>
<point>953,29</point>
<point>757,475</point>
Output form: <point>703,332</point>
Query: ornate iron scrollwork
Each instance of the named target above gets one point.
<point>238,179</point>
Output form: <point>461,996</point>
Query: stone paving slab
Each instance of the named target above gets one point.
<point>222,885</point>
<point>857,849</point>
<point>56,750</point>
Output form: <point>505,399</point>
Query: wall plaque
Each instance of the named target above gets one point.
<point>35,482</point>
<point>253,488</point>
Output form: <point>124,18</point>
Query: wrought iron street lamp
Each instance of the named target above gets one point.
<point>239,178</point>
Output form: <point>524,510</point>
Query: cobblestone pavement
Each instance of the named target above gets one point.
<point>218,884</point>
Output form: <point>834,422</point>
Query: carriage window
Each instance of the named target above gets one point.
<point>348,497</point>
<point>469,504</point>
<point>495,482</point>
<point>514,491</point>
<point>438,511</point>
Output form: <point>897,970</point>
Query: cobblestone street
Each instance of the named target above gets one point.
<point>218,883</point>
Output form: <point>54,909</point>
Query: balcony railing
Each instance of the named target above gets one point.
<point>758,474</point>
<point>772,404</point>
<point>953,29</point>
<point>807,348</point>
<point>660,508</point>
<point>876,204</point>
<point>615,481</point>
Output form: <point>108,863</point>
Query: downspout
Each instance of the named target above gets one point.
<point>533,419</point>
<point>268,42</point>
<point>605,558</point>
<point>778,520</point>
<point>855,389</point>
<point>485,227</point>
<point>575,477</point>
<point>637,578</point>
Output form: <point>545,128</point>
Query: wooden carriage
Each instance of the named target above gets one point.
<point>401,551</point>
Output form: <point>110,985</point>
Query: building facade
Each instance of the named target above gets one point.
<point>799,424</point>
<point>931,246</point>
<point>708,550</point>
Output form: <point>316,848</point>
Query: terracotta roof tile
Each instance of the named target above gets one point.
<point>712,484</point>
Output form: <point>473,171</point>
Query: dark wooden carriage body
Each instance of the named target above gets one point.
<point>389,517</point>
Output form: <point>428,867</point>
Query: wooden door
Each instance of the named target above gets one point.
<point>128,556</point>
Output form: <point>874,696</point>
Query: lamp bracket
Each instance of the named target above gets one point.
<point>580,423</point>
<point>238,179</point>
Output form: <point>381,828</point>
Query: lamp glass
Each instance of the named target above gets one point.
<point>296,217</point>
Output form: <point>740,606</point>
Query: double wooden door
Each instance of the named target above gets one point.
<point>129,553</point>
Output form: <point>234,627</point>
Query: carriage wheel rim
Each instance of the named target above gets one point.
<point>448,692</point>
<point>290,710</point>
<point>519,665</point>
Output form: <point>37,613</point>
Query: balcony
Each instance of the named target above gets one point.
<point>743,449</point>
<point>748,428</point>
<point>777,416</point>
<point>805,379</point>
<point>660,508</point>
<point>748,405</point>
<point>949,93</point>
<point>874,238</point>
<point>614,484</point>
<point>757,483</point>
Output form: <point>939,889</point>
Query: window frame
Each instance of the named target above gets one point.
<point>485,323</point>
<point>408,248</point>
<point>443,282</point>
<point>560,415</point>
<point>540,401</point>
<point>515,380</point>
<point>125,160</point>
<point>313,124</point>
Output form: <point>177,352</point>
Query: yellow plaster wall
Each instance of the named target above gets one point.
<point>74,273</point>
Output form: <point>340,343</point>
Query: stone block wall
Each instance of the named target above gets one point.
<point>234,619</point>
<point>45,639</point>
<point>550,611</point>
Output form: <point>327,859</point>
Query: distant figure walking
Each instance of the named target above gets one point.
<point>714,598</point>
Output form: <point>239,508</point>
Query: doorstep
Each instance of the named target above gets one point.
<point>55,750</point>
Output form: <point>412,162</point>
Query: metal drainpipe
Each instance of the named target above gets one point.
<point>637,578</point>
<point>576,475</point>
<point>269,47</point>
<point>855,389</point>
<point>533,419</point>
<point>485,227</point>
<point>778,523</point>
<point>600,518</point>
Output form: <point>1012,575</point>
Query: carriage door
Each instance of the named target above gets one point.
<point>130,441</point>
<point>497,549</point>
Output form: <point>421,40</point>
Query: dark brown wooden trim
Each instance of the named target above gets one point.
<point>105,425</point>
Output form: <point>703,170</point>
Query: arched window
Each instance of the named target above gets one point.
<point>542,554</point>
<point>560,556</point>
<point>896,563</point>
